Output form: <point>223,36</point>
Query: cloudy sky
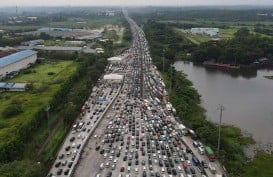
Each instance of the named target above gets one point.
<point>131,2</point>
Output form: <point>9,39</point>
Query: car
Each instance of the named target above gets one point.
<point>116,160</point>
<point>174,172</point>
<point>61,156</point>
<point>64,163</point>
<point>60,171</point>
<point>97,148</point>
<point>109,174</point>
<point>204,164</point>
<point>192,170</point>
<point>136,162</point>
<point>124,158</point>
<point>72,139</point>
<point>66,172</point>
<point>57,164</point>
<point>188,162</point>
<point>67,148</point>
<point>144,174</point>
<point>122,169</point>
<point>70,164</point>
<point>157,174</point>
<point>143,162</point>
<point>102,166</point>
<point>136,170</point>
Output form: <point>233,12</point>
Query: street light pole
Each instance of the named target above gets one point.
<point>48,126</point>
<point>221,108</point>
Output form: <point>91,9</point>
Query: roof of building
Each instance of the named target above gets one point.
<point>113,77</point>
<point>7,60</point>
<point>59,48</point>
<point>10,85</point>
<point>114,59</point>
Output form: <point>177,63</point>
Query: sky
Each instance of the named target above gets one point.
<point>131,2</point>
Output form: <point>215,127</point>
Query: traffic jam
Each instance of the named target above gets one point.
<point>129,129</point>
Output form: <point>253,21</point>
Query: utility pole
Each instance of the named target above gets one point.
<point>48,126</point>
<point>221,108</point>
<point>171,77</point>
<point>163,61</point>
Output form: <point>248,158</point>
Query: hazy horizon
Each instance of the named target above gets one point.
<point>30,3</point>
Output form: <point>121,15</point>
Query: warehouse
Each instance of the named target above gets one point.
<point>16,62</point>
<point>12,87</point>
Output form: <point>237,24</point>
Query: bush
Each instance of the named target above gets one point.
<point>12,110</point>
<point>50,73</point>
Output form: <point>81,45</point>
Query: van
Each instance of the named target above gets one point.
<point>201,150</point>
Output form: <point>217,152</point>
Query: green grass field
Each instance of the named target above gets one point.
<point>44,87</point>
<point>260,166</point>
<point>94,23</point>
<point>197,39</point>
<point>227,33</point>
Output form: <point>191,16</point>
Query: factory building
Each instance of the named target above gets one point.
<point>17,61</point>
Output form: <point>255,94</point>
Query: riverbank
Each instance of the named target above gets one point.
<point>186,100</point>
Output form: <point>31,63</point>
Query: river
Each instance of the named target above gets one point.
<point>247,97</point>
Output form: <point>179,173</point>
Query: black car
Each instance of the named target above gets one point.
<point>70,164</point>
<point>192,170</point>
<point>57,164</point>
<point>174,172</point>
<point>109,174</point>
<point>97,148</point>
<point>102,151</point>
<point>144,174</point>
<point>124,158</point>
<point>59,172</point>
<point>66,172</point>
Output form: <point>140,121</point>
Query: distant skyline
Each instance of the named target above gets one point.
<point>132,2</point>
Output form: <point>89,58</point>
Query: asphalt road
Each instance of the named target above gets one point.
<point>130,135</point>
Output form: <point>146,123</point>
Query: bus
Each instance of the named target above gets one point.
<point>210,154</point>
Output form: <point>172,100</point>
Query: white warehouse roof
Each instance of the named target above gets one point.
<point>113,77</point>
<point>114,59</point>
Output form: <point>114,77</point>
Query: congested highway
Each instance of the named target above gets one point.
<point>128,129</point>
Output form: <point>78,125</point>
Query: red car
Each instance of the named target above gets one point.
<point>184,165</point>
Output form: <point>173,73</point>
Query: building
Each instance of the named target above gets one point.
<point>205,31</point>
<point>113,77</point>
<point>33,42</point>
<point>16,62</point>
<point>13,87</point>
<point>115,59</point>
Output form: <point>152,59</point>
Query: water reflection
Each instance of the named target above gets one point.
<point>246,94</point>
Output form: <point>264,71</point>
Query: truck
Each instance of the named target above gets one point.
<point>210,154</point>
